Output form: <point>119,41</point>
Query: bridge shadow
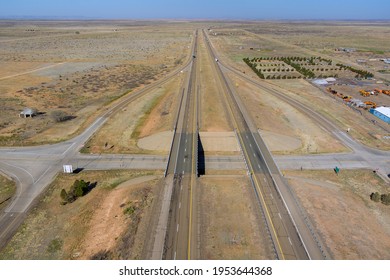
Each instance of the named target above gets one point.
<point>201,158</point>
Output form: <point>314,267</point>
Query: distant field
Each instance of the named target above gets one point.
<point>75,68</point>
<point>368,40</point>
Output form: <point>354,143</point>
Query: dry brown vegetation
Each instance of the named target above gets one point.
<point>213,116</point>
<point>7,191</point>
<point>272,115</point>
<point>52,68</point>
<point>351,225</point>
<point>152,113</point>
<point>107,223</point>
<point>226,232</point>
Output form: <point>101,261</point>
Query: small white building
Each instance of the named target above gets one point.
<point>28,112</point>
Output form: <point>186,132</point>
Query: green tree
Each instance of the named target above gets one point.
<point>79,188</point>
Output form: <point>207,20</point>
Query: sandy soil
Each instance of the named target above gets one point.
<point>219,142</point>
<point>160,141</point>
<point>94,226</point>
<point>225,232</point>
<point>352,226</point>
<point>280,143</point>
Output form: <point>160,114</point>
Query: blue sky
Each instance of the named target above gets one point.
<point>199,9</point>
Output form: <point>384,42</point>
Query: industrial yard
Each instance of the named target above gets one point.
<point>202,140</point>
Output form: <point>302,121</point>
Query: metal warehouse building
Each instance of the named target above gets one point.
<point>382,112</point>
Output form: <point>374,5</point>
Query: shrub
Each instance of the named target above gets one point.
<point>60,116</point>
<point>385,198</point>
<point>375,197</point>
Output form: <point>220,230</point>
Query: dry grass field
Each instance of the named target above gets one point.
<point>7,191</point>
<point>281,120</point>
<point>229,221</point>
<point>213,116</point>
<point>107,223</point>
<point>352,225</point>
<point>76,69</point>
<point>149,115</point>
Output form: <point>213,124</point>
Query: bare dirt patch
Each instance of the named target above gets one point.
<point>107,223</point>
<point>226,232</point>
<point>351,225</point>
<point>157,142</point>
<point>217,142</point>
<point>280,143</point>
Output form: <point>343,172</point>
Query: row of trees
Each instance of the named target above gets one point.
<point>273,77</point>
<point>293,62</point>
<point>292,58</point>
<point>304,71</point>
<point>360,73</point>
<point>253,66</point>
<point>384,198</point>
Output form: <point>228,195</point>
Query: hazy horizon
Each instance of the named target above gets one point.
<point>196,10</point>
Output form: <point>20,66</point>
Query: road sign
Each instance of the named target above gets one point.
<point>68,169</point>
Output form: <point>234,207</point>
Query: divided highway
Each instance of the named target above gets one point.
<point>290,234</point>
